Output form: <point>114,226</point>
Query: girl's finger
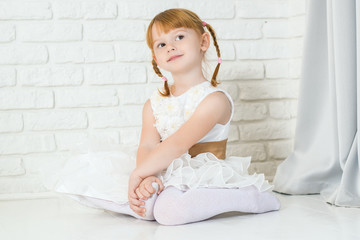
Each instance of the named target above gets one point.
<point>145,192</point>
<point>145,189</point>
<point>132,195</point>
<point>138,210</point>
<point>140,195</point>
<point>150,188</point>
<point>136,202</point>
<point>161,185</point>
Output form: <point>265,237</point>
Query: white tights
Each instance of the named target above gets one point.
<point>174,207</point>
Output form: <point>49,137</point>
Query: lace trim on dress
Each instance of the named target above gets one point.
<point>169,113</point>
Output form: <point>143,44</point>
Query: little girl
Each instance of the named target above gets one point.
<point>182,174</point>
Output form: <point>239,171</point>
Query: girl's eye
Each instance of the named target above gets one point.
<point>159,46</point>
<point>181,36</point>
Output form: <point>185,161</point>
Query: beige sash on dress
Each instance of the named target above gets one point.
<point>217,148</point>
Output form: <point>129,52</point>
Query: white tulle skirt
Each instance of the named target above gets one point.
<point>105,174</point>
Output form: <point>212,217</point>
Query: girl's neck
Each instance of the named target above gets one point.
<point>184,81</point>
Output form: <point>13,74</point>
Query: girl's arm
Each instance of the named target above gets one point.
<point>209,112</point>
<point>149,137</point>
<point>148,141</point>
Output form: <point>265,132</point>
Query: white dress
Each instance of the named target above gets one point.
<point>105,174</point>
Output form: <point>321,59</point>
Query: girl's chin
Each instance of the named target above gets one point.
<point>179,68</point>
<point>176,69</point>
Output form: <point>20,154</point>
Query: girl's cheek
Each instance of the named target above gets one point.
<point>157,51</point>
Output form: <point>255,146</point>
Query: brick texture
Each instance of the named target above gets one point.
<point>71,71</point>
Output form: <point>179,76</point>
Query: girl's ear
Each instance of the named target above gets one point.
<point>205,41</point>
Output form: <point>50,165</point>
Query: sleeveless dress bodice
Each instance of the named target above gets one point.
<point>172,112</point>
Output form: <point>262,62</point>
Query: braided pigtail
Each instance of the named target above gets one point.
<point>212,32</point>
<point>166,86</point>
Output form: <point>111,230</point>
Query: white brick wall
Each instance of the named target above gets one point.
<point>74,70</point>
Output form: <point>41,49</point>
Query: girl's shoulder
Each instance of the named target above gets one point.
<point>212,89</point>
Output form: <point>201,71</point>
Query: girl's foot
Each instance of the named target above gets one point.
<point>124,208</point>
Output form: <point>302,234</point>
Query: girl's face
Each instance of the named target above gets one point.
<point>182,43</point>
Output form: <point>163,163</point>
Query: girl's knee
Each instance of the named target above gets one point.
<point>169,208</point>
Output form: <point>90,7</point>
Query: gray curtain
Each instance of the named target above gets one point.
<point>325,159</point>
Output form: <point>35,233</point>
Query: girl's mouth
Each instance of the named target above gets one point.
<point>174,57</point>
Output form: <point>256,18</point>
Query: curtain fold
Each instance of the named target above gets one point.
<point>325,159</point>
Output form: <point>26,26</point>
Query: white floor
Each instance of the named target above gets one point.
<point>53,217</point>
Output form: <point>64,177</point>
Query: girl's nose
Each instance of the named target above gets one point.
<point>171,47</point>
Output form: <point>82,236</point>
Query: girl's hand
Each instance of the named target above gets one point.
<point>134,201</point>
<point>146,190</point>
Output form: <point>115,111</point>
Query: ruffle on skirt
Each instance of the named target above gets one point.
<point>105,174</point>
<point>97,174</point>
<point>206,170</point>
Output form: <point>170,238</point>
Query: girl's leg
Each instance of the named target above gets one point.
<point>174,207</point>
<point>125,208</point>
